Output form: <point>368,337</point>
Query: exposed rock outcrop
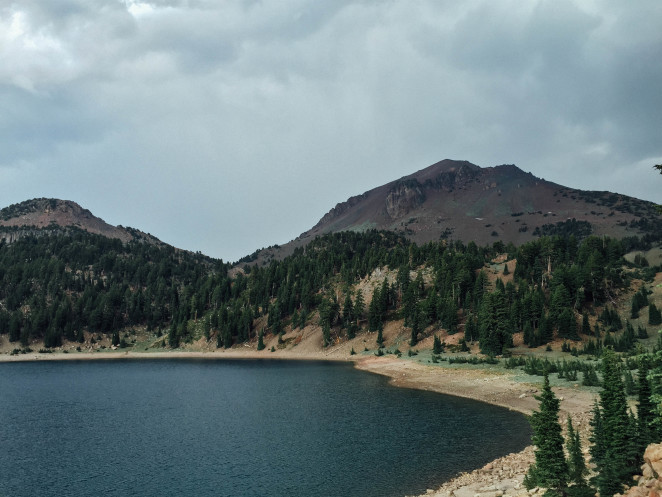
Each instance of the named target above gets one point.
<point>404,197</point>
<point>649,483</point>
<point>453,178</point>
<point>339,210</point>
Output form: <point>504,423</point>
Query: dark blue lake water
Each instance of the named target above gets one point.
<point>234,428</point>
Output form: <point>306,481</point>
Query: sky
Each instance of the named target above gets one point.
<point>225,126</point>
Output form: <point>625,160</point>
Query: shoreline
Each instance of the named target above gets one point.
<point>503,476</point>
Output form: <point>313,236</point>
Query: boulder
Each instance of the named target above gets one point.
<point>653,458</point>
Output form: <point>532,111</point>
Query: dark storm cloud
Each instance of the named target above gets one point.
<point>228,126</point>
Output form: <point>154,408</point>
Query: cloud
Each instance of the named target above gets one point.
<point>228,126</point>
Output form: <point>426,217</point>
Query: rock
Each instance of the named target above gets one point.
<point>653,457</point>
<point>647,472</point>
<point>522,396</point>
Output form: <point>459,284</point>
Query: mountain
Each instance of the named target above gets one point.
<point>33,216</point>
<point>66,275</point>
<point>458,200</point>
<point>63,285</point>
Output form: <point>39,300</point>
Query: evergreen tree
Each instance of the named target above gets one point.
<point>437,347</point>
<point>494,324</point>
<point>415,328</point>
<point>470,329</point>
<point>614,448</point>
<point>577,470</point>
<point>551,468</point>
<point>586,326</point>
<point>654,315</point>
<point>597,439</point>
<point>645,408</point>
<point>348,311</point>
<point>359,306</point>
<point>260,340</point>
<point>375,315</point>
<point>173,337</point>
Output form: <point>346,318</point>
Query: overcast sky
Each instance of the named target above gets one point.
<point>227,126</point>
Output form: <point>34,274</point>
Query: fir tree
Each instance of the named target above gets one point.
<point>437,347</point>
<point>414,333</point>
<point>380,336</point>
<point>470,329</point>
<point>654,315</point>
<point>577,470</point>
<point>614,447</point>
<point>260,340</point>
<point>645,408</point>
<point>586,326</point>
<point>494,324</point>
<point>551,468</point>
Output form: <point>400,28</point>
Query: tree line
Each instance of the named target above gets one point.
<point>618,437</point>
<point>60,285</point>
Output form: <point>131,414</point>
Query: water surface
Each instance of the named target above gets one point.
<point>235,428</point>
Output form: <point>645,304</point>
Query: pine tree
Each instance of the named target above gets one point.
<point>614,447</point>
<point>494,324</point>
<point>645,412</point>
<point>437,347</point>
<point>380,336</point>
<point>577,470</point>
<point>375,316</point>
<point>359,306</point>
<point>470,329</point>
<point>415,328</point>
<point>260,340</point>
<point>551,468</point>
<point>654,315</point>
<point>586,326</point>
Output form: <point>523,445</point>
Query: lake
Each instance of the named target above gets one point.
<point>171,427</point>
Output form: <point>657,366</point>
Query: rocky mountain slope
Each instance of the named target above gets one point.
<point>457,200</point>
<point>32,216</point>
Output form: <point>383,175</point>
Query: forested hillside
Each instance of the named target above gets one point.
<point>57,284</point>
<point>67,284</point>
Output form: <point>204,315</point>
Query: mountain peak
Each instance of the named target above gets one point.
<point>460,200</point>
<point>444,167</point>
<point>42,213</point>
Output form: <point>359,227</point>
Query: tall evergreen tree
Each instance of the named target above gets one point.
<point>551,468</point>
<point>494,324</point>
<point>437,347</point>
<point>577,470</point>
<point>645,409</point>
<point>614,448</point>
<point>359,306</point>
<point>654,315</point>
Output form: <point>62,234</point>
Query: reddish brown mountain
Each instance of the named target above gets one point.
<point>457,200</point>
<point>19,219</point>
